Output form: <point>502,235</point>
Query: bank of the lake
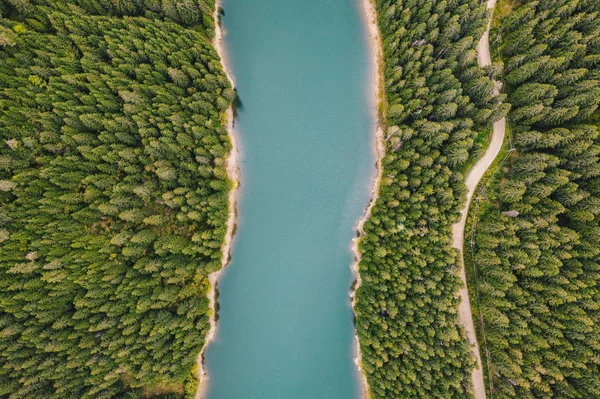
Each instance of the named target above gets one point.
<point>369,13</point>
<point>233,173</point>
<point>305,123</point>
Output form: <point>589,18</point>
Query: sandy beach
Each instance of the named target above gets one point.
<point>369,14</point>
<point>234,175</point>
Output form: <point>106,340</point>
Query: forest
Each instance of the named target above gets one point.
<point>438,100</point>
<point>114,195</point>
<point>537,248</point>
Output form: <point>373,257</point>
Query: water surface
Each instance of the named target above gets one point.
<point>302,71</point>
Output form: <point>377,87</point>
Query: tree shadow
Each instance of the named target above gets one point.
<point>237,106</point>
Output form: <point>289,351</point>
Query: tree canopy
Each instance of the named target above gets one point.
<point>537,250</point>
<point>114,196</point>
<point>438,99</point>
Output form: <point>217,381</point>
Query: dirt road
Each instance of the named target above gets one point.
<point>464,311</point>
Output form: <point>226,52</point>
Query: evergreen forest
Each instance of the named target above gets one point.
<point>114,199</point>
<point>537,239</point>
<point>114,195</point>
<point>437,101</point>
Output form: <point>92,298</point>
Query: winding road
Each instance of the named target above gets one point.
<point>458,230</point>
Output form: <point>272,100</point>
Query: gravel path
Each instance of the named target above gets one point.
<point>464,311</point>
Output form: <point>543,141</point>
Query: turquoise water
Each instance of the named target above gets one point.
<point>302,71</point>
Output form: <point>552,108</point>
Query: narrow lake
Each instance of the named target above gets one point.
<point>302,69</point>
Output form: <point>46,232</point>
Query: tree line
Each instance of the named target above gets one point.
<point>438,99</point>
<point>114,195</point>
<point>197,14</point>
<point>537,242</point>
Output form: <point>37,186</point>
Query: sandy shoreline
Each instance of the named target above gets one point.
<point>369,14</point>
<point>234,175</point>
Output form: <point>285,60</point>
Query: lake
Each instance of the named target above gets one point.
<point>305,127</point>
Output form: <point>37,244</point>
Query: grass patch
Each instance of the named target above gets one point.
<point>163,391</point>
<point>482,142</point>
<point>502,10</point>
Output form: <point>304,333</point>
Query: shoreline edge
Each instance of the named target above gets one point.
<point>233,173</point>
<point>369,16</point>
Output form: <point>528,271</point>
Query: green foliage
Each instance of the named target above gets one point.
<point>539,271</point>
<point>114,200</point>
<point>412,343</point>
<point>191,13</point>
